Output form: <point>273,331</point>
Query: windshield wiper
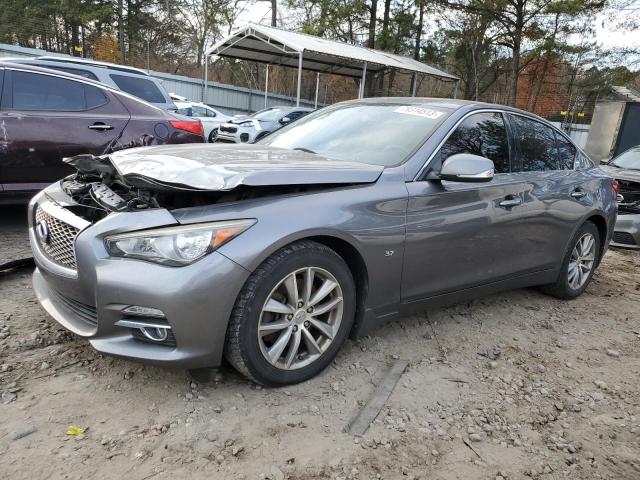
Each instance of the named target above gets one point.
<point>302,149</point>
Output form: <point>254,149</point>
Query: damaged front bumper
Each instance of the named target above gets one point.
<point>626,233</point>
<point>89,293</point>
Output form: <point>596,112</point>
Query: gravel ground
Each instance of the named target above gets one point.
<point>556,395</point>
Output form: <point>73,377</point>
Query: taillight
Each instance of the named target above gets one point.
<point>191,126</point>
<point>616,186</point>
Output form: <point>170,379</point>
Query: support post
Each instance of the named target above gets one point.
<point>363,81</point>
<point>205,84</point>
<point>414,84</point>
<point>455,90</point>
<point>317,88</point>
<point>299,78</point>
<point>266,86</point>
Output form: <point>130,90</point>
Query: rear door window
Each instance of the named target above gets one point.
<point>139,87</point>
<point>482,134</point>
<point>37,92</point>
<point>566,152</point>
<point>537,144</point>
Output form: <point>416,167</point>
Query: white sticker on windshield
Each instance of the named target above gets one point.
<point>419,111</point>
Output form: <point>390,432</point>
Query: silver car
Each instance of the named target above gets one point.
<point>260,124</point>
<point>272,254</point>
<point>625,168</point>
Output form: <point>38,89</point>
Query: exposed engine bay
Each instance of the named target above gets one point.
<point>99,189</point>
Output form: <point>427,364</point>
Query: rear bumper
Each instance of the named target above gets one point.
<point>196,299</point>
<point>626,232</point>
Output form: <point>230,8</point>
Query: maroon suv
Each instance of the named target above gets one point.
<point>47,115</point>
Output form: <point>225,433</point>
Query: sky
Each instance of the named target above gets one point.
<point>605,34</point>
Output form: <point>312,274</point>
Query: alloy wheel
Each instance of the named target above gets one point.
<point>581,261</point>
<point>300,318</point>
<point>213,135</point>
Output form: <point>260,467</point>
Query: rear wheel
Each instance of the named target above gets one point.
<point>292,316</point>
<point>579,264</point>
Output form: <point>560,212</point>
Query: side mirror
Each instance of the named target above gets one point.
<point>465,167</point>
<point>285,120</point>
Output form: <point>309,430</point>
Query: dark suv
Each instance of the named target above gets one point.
<point>47,115</point>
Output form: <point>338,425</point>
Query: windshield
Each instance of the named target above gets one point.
<point>375,134</point>
<point>629,159</point>
<point>269,115</point>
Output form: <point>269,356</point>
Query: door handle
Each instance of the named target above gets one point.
<point>100,126</point>
<point>510,202</point>
<point>578,193</point>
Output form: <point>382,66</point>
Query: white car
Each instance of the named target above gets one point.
<point>253,128</point>
<point>210,118</point>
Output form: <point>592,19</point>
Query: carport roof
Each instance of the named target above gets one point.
<point>271,45</point>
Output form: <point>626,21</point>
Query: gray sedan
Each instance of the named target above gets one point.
<point>272,254</point>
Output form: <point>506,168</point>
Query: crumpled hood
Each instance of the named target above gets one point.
<point>622,173</point>
<point>226,166</point>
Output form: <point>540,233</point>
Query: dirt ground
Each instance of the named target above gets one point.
<point>561,398</point>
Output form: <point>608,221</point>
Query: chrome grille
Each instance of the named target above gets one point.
<point>56,241</point>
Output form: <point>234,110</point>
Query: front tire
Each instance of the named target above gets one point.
<point>213,135</point>
<point>579,264</point>
<point>292,316</point>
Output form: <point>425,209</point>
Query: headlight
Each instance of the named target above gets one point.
<point>248,123</point>
<point>176,246</point>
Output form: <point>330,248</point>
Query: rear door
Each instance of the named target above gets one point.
<point>48,117</point>
<point>460,235</point>
<point>557,196</point>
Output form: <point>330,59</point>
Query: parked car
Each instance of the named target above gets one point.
<point>121,77</point>
<point>625,168</point>
<point>210,118</point>
<point>272,254</point>
<point>47,115</point>
<point>260,124</point>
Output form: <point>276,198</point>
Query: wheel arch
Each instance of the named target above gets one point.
<point>601,224</point>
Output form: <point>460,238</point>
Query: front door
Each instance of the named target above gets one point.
<point>45,118</point>
<point>461,235</point>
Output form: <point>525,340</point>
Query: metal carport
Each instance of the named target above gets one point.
<point>273,46</point>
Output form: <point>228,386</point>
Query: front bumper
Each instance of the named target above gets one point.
<point>241,135</point>
<point>626,233</point>
<point>196,299</point>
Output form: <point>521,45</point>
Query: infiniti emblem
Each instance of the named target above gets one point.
<point>42,231</point>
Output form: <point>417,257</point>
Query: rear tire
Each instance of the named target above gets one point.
<point>579,264</point>
<point>292,315</point>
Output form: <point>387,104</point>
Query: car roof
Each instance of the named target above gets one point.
<point>90,63</point>
<point>34,68</point>
<point>451,103</point>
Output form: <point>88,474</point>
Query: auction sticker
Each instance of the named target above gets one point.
<point>419,111</point>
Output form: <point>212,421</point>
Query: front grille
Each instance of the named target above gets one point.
<point>82,311</point>
<point>228,129</point>
<point>56,238</point>
<point>624,238</point>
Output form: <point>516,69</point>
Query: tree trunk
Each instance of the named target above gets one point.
<point>371,41</point>
<point>416,50</point>
<point>121,31</point>
<point>514,70</point>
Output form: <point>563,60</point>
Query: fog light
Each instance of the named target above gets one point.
<point>156,334</point>
<point>138,311</point>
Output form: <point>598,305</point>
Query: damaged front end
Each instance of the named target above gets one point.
<point>629,199</point>
<point>193,175</point>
